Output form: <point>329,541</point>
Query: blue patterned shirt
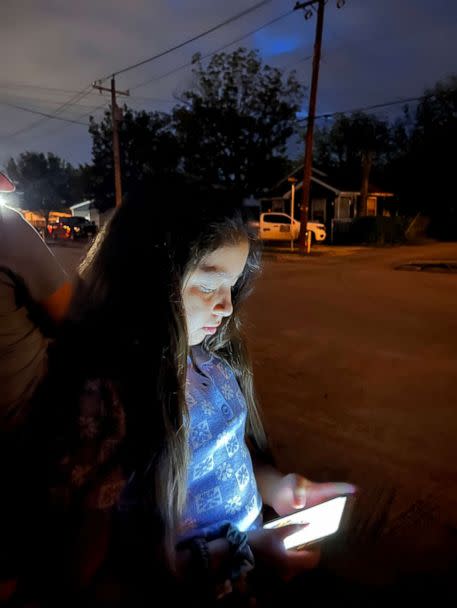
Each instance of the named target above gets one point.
<point>221,482</point>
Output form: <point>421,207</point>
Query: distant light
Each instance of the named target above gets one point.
<point>278,44</point>
<point>2,201</point>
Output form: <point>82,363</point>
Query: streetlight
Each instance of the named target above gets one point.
<point>292,181</point>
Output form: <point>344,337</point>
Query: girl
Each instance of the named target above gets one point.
<point>157,462</point>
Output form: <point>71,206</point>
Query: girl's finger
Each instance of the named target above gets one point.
<point>300,492</point>
<point>320,492</point>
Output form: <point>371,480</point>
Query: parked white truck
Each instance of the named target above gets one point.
<point>275,226</point>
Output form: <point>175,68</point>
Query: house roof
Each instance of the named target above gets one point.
<point>337,191</point>
<point>84,205</point>
<point>297,170</point>
<point>323,180</point>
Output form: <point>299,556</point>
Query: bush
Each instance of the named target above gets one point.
<point>370,230</point>
<point>444,227</point>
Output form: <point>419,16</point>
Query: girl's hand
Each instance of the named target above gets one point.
<point>296,492</point>
<point>271,555</point>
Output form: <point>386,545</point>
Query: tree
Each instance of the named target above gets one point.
<point>234,124</point>
<point>420,165</point>
<point>432,156</point>
<point>351,148</point>
<point>398,171</point>
<point>412,156</point>
<point>148,149</point>
<point>47,182</point>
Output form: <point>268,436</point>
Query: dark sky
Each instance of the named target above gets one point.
<point>374,51</point>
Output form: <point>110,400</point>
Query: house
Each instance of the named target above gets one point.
<point>88,210</point>
<point>331,204</point>
<point>329,201</point>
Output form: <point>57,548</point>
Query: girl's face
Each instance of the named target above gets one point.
<point>207,291</point>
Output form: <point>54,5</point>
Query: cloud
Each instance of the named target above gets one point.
<point>273,44</point>
<point>374,50</point>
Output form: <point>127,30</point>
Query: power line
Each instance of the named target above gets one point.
<point>11,98</point>
<point>155,99</point>
<point>372,107</point>
<point>16,85</point>
<point>78,97</point>
<point>189,40</point>
<point>95,109</point>
<point>85,92</point>
<point>13,86</point>
<point>8,84</point>
<point>301,120</point>
<point>77,120</point>
<point>221,48</point>
<point>18,107</point>
<point>40,101</point>
<point>55,116</point>
<point>104,106</point>
<point>291,66</point>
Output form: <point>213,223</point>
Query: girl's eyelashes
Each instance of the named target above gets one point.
<point>205,289</point>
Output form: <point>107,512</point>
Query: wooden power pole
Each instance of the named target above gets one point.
<point>116,116</point>
<point>308,162</point>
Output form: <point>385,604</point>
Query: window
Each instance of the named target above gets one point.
<point>276,218</point>
<point>372,205</point>
<point>343,207</point>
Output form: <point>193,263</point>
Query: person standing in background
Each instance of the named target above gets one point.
<point>34,295</point>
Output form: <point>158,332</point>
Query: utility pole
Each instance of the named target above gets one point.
<point>292,181</point>
<point>367,162</point>
<point>308,162</point>
<point>116,117</point>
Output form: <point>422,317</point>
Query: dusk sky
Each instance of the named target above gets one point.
<point>374,51</point>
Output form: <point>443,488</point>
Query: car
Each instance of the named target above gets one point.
<point>72,228</point>
<point>275,226</point>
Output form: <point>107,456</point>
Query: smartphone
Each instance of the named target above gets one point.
<point>322,520</point>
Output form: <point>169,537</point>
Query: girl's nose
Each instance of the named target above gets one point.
<point>224,307</point>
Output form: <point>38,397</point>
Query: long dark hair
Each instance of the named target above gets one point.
<point>116,331</point>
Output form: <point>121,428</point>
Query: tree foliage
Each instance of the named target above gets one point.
<point>413,156</point>
<point>233,125</point>
<point>46,181</point>
<point>432,150</point>
<point>148,149</point>
<point>342,148</point>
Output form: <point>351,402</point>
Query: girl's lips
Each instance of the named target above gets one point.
<point>211,330</point>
